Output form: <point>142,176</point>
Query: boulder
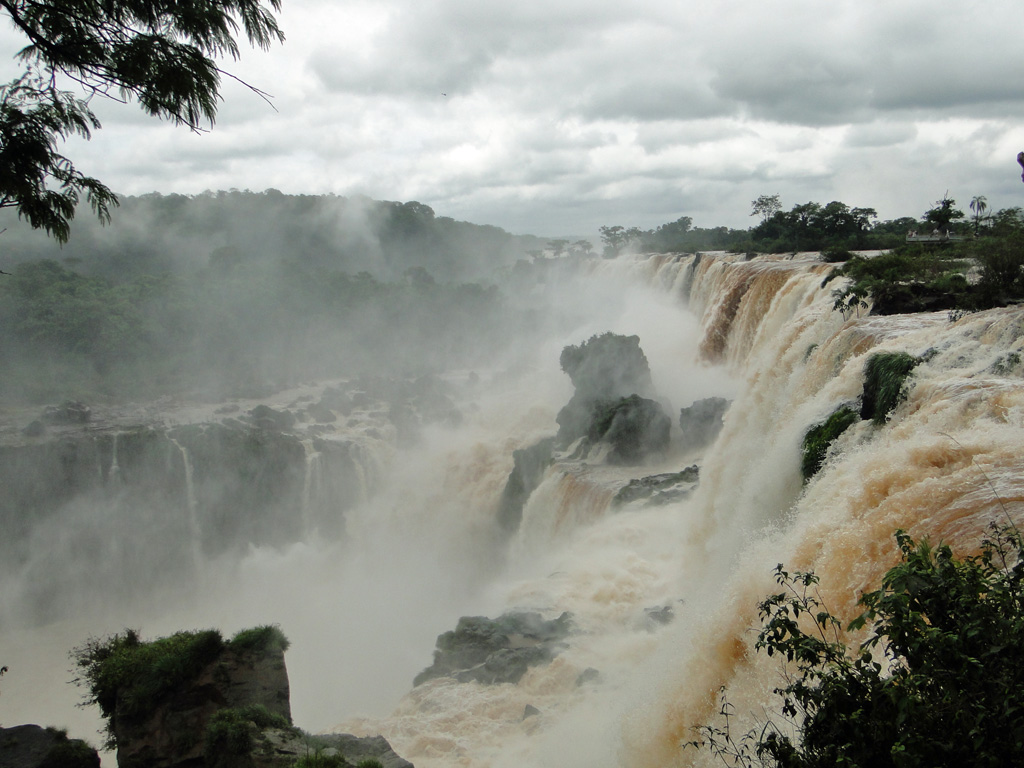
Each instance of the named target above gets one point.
<point>496,650</point>
<point>701,422</point>
<point>659,489</point>
<point>265,417</point>
<point>634,426</point>
<point>335,399</point>
<point>321,414</point>
<point>30,746</point>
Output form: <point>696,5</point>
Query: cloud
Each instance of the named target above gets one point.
<point>563,115</point>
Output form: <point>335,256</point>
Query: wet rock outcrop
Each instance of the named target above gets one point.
<point>496,650</point>
<point>701,422</point>
<point>602,369</point>
<point>660,489</point>
<point>30,746</point>
<point>613,401</point>
<point>634,427</point>
<point>194,700</point>
<point>530,464</point>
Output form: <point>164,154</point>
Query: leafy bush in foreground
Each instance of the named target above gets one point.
<point>937,682</point>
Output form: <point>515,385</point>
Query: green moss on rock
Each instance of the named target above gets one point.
<point>231,734</point>
<point>885,376</point>
<point>819,437</point>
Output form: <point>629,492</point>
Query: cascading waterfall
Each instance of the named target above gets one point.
<point>192,503</point>
<point>947,463</point>
<point>312,485</point>
<point>114,473</point>
<point>945,466</point>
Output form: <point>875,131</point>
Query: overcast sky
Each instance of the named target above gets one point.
<point>554,117</point>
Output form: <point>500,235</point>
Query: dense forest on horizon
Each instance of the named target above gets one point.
<point>240,293</point>
<point>154,233</point>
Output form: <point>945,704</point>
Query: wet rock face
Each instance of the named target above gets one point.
<point>701,422</point>
<point>29,746</point>
<point>496,650</point>
<point>603,369</point>
<point>608,366</point>
<point>530,465</point>
<point>68,412</point>
<point>660,489</point>
<point>634,426</point>
<point>171,734</point>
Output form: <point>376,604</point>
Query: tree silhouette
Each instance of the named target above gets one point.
<point>159,53</point>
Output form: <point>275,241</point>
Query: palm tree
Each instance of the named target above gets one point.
<point>979,204</point>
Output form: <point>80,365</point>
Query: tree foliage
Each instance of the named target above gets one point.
<point>812,226</point>
<point>126,677</point>
<point>765,206</point>
<point>159,53</point>
<point>943,214</point>
<point>936,682</point>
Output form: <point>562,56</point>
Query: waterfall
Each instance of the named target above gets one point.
<point>946,464</point>
<point>192,506</point>
<point>421,546</point>
<point>312,486</point>
<point>114,475</point>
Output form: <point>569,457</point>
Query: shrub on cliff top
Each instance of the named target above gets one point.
<point>266,637</point>
<point>123,674</point>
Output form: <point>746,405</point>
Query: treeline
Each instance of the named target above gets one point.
<point>154,233</point>
<point>811,226</point>
<point>232,330</point>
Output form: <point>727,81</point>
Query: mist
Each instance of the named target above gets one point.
<point>369,528</point>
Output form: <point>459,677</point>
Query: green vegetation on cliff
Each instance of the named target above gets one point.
<point>259,639</point>
<point>885,376</point>
<point>127,677</point>
<point>819,437</point>
<point>229,733</point>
